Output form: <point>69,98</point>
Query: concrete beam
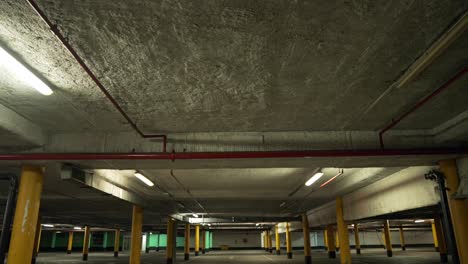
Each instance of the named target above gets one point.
<point>24,133</point>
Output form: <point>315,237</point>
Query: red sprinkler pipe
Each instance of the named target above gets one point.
<point>90,73</point>
<point>421,103</point>
<point>232,155</point>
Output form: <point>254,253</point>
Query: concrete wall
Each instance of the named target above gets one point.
<point>236,239</point>
<point>404,190</point>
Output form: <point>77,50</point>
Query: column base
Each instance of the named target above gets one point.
<point>331,254</point>
<point>289,255</point>
<point>85,257</point>
<point>203,251</point>
<point>358,251</point>
<point>308,259</point>
<point>266,249</point>
<point>437,249</point>
<point>271,250</point>
<point>389,253</point>
<point>33,261</point>
<point>443,258</point>
<point>403,248</point>
<point>116,254</point>
<point>186,256</point>
<point>68,252</point>
<point>169,260</point>
<point>157,249</point>
<point>278,252</point>
<point>196,253</point>
<point>147,250</point>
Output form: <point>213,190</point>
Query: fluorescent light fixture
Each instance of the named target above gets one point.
<point>77,228</point>
<point>314,178</point>
<point>195,215</point>
<point>142,178</point>
<point>22,72</point>
<point>209,224</point>
<point>419,221</point>
<point>257,224</point>
<point>48,225</point>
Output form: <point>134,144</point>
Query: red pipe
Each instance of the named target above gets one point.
<point>421,103</point>
<point>232,155</point>
<point>85,67</point>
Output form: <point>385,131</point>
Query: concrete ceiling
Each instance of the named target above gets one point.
<point>226,76</point>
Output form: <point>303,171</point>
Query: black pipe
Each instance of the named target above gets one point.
<point>8,217</point>
<point>438,177</point>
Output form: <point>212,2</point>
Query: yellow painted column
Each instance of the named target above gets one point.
<point>70,242</point>
<point>458,208</point>
<point>187,242</point>
<point>116,242</point>
<point>388,241</point>
<point>197,239</point>
<point>265,240</point>
<point>402,239</point>
<point>441,240</point>
<point>37,240</point>
<point>26,215</point>
<point>343,234</point>
<point>331,242</point>
<point>203,241</point>
<point>337,241</point>
<point>306,232</point>
<point>170,241</point>
<point>357,242</point>
<point>434,236</point>
<point>277,240</point>
<point>288,242</point>
<point>86,242</point>
<point>137,226</point>
<point>270,242</point>
<point>325,239</point>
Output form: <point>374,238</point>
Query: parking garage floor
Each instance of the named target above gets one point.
<point>370,256</point>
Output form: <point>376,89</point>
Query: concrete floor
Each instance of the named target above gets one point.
<point>370,256</point>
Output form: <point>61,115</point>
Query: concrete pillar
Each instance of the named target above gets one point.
<point>357,241</point>
<point>277,240</point>
<point>388,241</point>
<point>137,226</point>
<point>116,242</point>
<point>70,242</point>
<point>86,242</point>
<point>331,242</point>
<point>203,241</point>
<point>197,239</point>
<point>187,242</point>
<point>270,246</point>
<point>402,238</point>
<point>458,208</point>
<point>434,236</point>
<point>441,240</point>
<point>170,241</point>
<point>345,251</point>
<point>25,223</point>
<point>37,240</point>
<point>306,232</point>
<point>288,242</point>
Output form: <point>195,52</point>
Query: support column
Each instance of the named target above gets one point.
<point>137,225</point>
<point>306,232</point>
<point>325,239</point>
<point>187,242</point>
<point>388,241</point>
<point>270,243</point>
<point>458,208</point>
<point>197,239</point>
<point>434,236</point>
<point>170,241</point>
<point>116,242</point>
<point>337,240</point>
<point>37,240</point>
<point>277,240</point>
<point>345,251</point>
<point>288,242</point>
<point>265,241</point>
<point>26,215</point>
<point>441,240</point>
<point>203,242</point>
<point>402,239</point>
<point>147,247</point>
<point>70,242</point>
<point>357,241</point>
<point>86,242</point>
<point>331,242</point>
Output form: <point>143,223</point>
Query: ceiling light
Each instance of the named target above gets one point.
<point>195,215</point>
<point>419,221</point>
<point>257,224</point>
<point>77,228</point>
<point>282,204</point>
<point>314,178</point>
<point>209,224</point>
<point>142,178</point>
<point>47,225</point>
<point>22,72</point>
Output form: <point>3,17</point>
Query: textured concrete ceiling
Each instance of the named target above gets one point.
<point>190,66</point>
